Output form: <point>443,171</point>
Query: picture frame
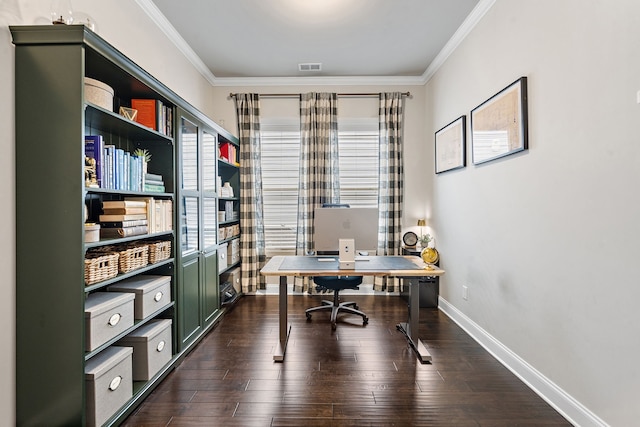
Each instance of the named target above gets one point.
<point>450,146</point>
<point>499,126</point>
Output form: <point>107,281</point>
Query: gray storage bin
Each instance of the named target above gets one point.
<point>106,315</point>
<point>152,348</point>
<point>151,293</point>
<point>109,383</point>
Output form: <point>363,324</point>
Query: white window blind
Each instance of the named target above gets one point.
<point>359,147</point>
<point>280,140</point>
<point>358,140</point>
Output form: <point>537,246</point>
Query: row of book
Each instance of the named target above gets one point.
<point>153,114</point>
<point>117,169</point>
<point>135,216</point>
<point>229,153</point>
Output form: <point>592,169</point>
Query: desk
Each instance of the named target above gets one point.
<point>407,267</point>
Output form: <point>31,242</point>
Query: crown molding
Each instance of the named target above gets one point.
<point>461,33</point>
<point>165,26</point>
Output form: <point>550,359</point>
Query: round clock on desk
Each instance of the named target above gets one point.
<point>430,255</point>
<point>410,239</point>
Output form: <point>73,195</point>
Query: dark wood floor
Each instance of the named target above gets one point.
<point>356,376</point>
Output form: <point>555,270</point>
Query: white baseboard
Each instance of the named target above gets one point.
<point>562,402</point>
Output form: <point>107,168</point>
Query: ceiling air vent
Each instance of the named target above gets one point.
<point>310,66</point>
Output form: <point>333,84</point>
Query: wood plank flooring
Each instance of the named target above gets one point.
<point>356,376</point>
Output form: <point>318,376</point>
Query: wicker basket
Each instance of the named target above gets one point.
<point>99,266</point>
<point>159,250</point>
<point>132,257</point>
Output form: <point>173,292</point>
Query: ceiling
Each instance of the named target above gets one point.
<point>244,39</point>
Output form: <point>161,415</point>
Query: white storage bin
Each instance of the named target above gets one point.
<point>222,257</point>
<point>106,315</point>
<point>109,383</point>
<point>98,93</point>
<point>151,293</point>
<point>151,348</point>
<point>233,251</point>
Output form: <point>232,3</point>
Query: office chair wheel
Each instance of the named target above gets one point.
<point>365,320</point>
<point>308,316</point>
<point>333,326</point>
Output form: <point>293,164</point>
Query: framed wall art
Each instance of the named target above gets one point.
<point>499,125</point>
<point>450,146</point>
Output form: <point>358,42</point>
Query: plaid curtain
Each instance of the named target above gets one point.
<point>319,172</point>
<point>252,249</point>
<point>391,183</point>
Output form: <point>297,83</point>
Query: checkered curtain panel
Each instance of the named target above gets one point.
<point>319,172</point>
<point>391,183</point>
<point>252,248</point>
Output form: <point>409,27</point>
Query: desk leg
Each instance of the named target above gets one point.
<point>284,326</point>
<point>410,328</point>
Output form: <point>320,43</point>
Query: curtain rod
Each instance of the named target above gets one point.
<point>295,95</point>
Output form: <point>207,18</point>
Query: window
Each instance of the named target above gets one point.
<point>280,138</point>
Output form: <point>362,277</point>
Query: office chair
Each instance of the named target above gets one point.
<point>336,284</point>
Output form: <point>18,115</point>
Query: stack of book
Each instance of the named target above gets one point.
<point>154,114</point>
<point>153,183</point>
<point>159,213</point>
<point>123,218</point>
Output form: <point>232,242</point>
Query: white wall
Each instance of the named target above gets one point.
<point>547,240</point>
<point>128,28</point>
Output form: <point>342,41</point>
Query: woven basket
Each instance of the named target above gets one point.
<point>99,266</point>
<point>132,257</point>
<point>159,251</point>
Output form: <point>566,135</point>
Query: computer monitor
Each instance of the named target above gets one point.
<point>332,224</point>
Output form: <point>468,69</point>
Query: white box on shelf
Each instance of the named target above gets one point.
<point>222,257</point>
<point>98,93</point>
<point>109,383</point>
<point>151,292</point>
<point>151,348</point>
<point>106,315</point>
<point>233,251</point>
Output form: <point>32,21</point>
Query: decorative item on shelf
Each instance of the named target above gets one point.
<point>91,232</point>
<point>129,113</point>
<point>61,12</point>
<point>430,256</point>
<point>226,190</point>
<point>86,20</point>
<point>98,93</point>
<point>145,155</point>
<point>410,239</point>
<point>424,238</point>
<point>90,172</point>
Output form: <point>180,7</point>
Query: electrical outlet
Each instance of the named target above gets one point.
<point>465,293</point>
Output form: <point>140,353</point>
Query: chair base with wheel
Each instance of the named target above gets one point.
<point>336,284</point>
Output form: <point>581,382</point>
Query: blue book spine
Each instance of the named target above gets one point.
<point>119,164</point>
<point>126,170</point>
<point>108,163</point>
